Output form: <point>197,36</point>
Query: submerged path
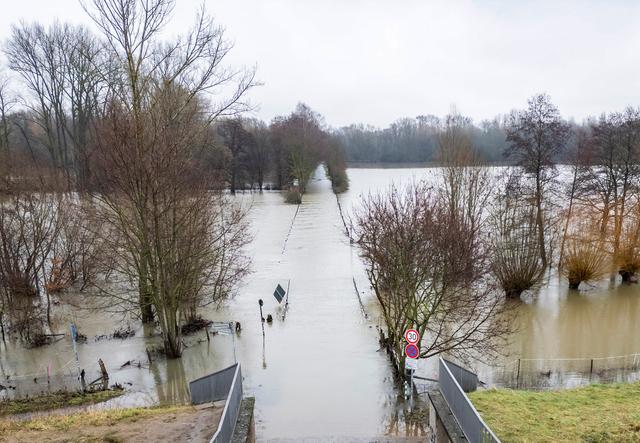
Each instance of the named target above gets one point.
<point>320,376</point>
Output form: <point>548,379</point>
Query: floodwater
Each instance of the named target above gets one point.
<point>317,373</point>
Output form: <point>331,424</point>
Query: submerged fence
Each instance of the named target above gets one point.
<point>222,385</point>
<point>452,378</point>
<point>554,373</point>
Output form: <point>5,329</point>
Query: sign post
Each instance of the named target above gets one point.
<point>412,352</point>
<point>279,293</point>
<point>74,339</point>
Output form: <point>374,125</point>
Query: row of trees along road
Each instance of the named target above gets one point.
<point>440,255</point>
<point>287,152</point>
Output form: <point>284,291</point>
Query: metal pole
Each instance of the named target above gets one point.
<point>260,302</point>
<point>74,335</point>
<point>286,303</point>
<point>233,335</point>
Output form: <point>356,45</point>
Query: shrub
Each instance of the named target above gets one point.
<point>584,260</point>
<point>628,261</point>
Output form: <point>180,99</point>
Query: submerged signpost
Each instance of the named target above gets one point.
<point>279,293</point>
<point>412,352</point>
<point>74,339</point>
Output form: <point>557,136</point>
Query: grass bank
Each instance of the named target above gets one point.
<point>107,417</point>
<point>597,413</point>
<point>159,424</point>
<point>55,400</point>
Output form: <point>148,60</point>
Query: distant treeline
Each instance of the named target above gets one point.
<point>415,140</point>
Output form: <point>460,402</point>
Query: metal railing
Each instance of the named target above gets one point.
<point>222,385</point>
<point>451,379</point>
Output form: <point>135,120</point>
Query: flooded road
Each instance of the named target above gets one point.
<point>318,373</point>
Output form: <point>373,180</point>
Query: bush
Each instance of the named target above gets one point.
<point>628,261</point>
<point>517,263</point>
<point>293,196</point>
<point>585,260</point>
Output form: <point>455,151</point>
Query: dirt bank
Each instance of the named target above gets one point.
<point>164,424</point>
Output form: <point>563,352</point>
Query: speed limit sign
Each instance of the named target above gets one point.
<point>411,336</point>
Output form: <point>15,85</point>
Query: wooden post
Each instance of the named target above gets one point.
<point>105,374</point>
<point>591,370</point>
<point>518,376</point>
<point>82,381</point>
<point>2,326</point>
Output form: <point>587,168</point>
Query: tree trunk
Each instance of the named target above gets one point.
<point>540,221</point>
<point>144,294</point>
<point>172,342</point>
<point>513,293</point>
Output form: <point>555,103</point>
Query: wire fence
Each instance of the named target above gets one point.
<point>45,378</point>
<point>555,373</point>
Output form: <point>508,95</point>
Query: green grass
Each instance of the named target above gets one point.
<point>54,401</point>
<point>597,413</point>
<point>105,417</point>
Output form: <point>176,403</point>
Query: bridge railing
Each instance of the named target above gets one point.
<point>222,385</point>
<point>452,378</point>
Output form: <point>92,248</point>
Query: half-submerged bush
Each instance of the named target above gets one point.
<point>517,263</point>
<point>584,260</point>
<point>628,261</point>
<point>293,196</point>
<point>336,167</point>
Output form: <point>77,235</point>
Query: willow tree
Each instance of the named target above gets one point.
<point>515,257</point>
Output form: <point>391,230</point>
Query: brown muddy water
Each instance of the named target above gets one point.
<point>318,373</point>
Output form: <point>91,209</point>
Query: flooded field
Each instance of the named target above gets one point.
<point>318,372</point>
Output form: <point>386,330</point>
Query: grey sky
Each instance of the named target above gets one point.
<point>375,61</point>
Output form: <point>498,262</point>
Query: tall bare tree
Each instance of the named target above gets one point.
<point>155,195</point>
<point>536,136</point>
<point>63,69</point>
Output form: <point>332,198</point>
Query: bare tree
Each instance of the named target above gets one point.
<point>260,153</point>
<point>62,68</point>
<point>238,142</point>
<point>149,68</point>
<point>7,102</point>
<point>609,182</point>
<point>536,136</point>
<point>424,277</point>
<point>516,261</point>
<point>29,228</point>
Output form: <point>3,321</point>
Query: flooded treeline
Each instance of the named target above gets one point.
<point>115,161</point>
<point>445,256</point>
<point>62,84</point>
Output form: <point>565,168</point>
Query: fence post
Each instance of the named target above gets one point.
<point>591,369</point>
<point>518,376</point>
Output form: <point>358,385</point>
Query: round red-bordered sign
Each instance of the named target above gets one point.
<point>412,351</point>
<point>411,336</point>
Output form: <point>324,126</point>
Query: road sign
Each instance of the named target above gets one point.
<point>411,364</point>
<point>412,351</point>
<point>279,293</point>
<point>411,336</point>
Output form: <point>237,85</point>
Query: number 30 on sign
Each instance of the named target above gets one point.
<point>411,336</point>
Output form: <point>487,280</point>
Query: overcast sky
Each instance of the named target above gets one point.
<point>374,61</point>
